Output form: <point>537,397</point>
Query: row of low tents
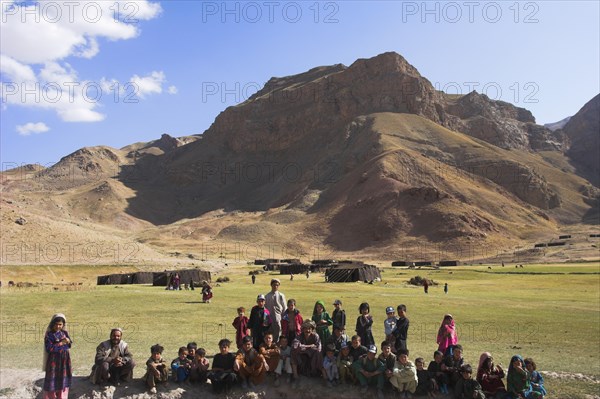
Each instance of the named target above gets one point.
<point>425,263</point>
<point>335,271</point>
<point>186,276</point>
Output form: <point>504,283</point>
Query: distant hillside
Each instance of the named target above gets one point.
<point>557,125</point>
<point>583,131</point>
<point>366,159</point>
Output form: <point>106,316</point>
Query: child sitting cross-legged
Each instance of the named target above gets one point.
<point>222,376</point>
<point>250,365</point>
<point>270,352</point>
<point>536,379</point>
<point>181,365</point>
<point>467,387</point>
<point>199,370</point>
<point>437,372</point>
<point>344,364</point>
<point>285,360</point>
<point>156,368</point>
<point>330,369</point>
<point>404,378</point>
<point>425,381</point>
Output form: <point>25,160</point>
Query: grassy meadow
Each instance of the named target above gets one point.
<point>548,312</point>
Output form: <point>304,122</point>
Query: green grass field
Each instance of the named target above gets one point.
<point>554,318</point>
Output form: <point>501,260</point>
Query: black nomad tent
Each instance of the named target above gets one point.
<point>142,278</point>
<point>349,272</point>
<point>185,276</point>
<point>293,269</point>
<point>126,278</point>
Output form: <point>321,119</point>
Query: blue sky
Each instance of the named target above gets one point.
<point>172,66</point>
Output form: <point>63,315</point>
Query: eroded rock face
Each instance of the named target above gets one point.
<point>500,123</point>
<point>287,110</point>
<point>583,132</point>
<point>518,179</point>
<point>290,108</point>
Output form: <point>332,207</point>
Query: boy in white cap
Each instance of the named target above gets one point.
<point>389,325</point>
<point>370,371</point>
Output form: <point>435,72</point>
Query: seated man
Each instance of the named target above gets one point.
<point>250,365</point>
<point>114,362</point>
<point>307,358</point>
<point>370,371</point>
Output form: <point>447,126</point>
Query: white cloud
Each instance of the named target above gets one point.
<point>15,71</point>
<point>56,87</point>
<point>172,90</point>
<point>50,31</point>
<point>39,36</point>
<point>151,84</point>
<point>29,128</point>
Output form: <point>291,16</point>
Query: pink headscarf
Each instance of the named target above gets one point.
<point>447,334</point>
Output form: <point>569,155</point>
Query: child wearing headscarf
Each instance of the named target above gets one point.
<point>517,380</point>
<point>447,337</point>
<point>57,360</point>
<point>322,321</point>
<point>490,375</point>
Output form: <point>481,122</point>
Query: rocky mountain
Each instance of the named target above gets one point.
<point>583,132</point>
<point>368,158</point>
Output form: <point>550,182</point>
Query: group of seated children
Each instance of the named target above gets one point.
<point>191,365</point>
<point>306,347</point>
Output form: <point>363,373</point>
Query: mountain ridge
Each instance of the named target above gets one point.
<point>362,158</point>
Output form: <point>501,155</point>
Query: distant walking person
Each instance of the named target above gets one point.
<point>307,273</point>
<point>253,278</point>
<point>207,293</point>
<point>446,288</point>
<point>425,286</point>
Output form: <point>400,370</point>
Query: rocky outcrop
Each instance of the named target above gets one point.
<point>583,132</point>
<point>500,123</point>
<point>287,109</point>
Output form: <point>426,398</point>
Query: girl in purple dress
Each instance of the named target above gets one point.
<point>57,360</point>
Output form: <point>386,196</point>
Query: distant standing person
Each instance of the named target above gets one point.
<point>206,292</point>
<point>446,288</point>
<point>57,360</point>
<point>253,278</point>
<point>276,303</point>
<point>425,286</point>
<point>307,273</point>
<point>176,282</point>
